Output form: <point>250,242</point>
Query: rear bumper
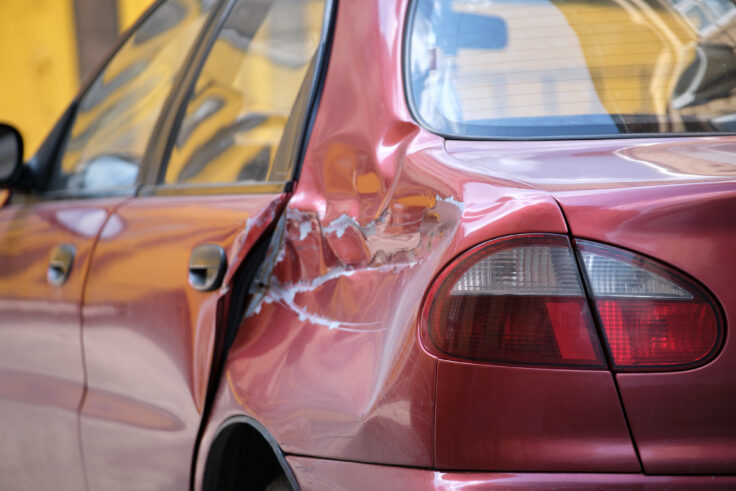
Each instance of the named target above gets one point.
<point>317,474</point>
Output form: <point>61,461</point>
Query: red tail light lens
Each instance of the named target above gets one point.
<point>652,317</point>
<point>520,300</point>
<point>517,300</point>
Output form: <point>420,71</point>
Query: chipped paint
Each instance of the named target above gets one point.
<point>384,240</point>
<point>340,225</point>
<point>286,295</point>
<point>304,229</point>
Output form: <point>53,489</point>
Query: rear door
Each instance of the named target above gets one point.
<point>166,273</point>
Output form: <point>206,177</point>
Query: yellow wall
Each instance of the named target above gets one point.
<point>129,11</point>
<point>39,66</point>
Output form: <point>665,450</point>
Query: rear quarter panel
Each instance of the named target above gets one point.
<point>330,361</point>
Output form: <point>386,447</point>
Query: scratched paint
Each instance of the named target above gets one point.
<point>380,240</point>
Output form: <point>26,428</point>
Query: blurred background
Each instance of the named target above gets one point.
<point>49,47</point>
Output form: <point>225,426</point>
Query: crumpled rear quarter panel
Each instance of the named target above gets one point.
<point>330,361</point>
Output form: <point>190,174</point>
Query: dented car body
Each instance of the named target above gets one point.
<point>331,333</point>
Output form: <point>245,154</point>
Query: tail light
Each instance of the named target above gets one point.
<point>651,316</point>
<point>517,300</point>
<point>521,300</point>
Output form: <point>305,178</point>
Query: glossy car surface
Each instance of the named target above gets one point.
<point>296,151</point>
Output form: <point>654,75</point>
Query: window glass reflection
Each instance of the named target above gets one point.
<point>117,114</point>
<point>245,94</point>
<point>556,68</point>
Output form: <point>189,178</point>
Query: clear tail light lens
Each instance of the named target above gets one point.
<point>652,317</point>
<point>517,300</point>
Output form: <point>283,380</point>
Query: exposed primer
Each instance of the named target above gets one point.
<point>304,228</point>
<point>339,225</point>
<point>286,295</point>
<point>258,221</point>
<point>260,283</point>
<point>248,226</point>
<point>383,245</point>
<point>253,223</point>
<point>281,256</point>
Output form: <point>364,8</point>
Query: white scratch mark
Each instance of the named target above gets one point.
<point>281,255</point>
<point>286,295</point>
<point>340,224</point>
<point>304,228</point>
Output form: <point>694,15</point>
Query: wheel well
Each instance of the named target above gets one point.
<point>244,456</point>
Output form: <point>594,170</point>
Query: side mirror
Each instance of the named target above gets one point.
<point>11,155</point>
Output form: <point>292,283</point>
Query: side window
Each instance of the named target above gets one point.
<point>244,95</point>
<point>117,114</point>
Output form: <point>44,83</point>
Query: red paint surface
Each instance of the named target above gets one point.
<point>683,421</point>
<point>616,164</point>
<point>149,336</point>
<point>673,200</point>
<point>41,369</point>
<point>319,475</point>
<point>526,419</point>
<point>330,361</point>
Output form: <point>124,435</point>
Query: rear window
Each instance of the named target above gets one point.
<point>572,68</point>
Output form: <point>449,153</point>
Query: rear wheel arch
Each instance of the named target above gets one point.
<point>244,455</point>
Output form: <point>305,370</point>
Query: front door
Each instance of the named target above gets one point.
<point>45,250</point>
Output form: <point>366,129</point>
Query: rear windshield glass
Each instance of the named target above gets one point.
<point>572,68</point>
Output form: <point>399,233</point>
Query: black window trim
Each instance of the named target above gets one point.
<point>414,112</point>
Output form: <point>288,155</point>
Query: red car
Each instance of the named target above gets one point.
<point>380,244</point>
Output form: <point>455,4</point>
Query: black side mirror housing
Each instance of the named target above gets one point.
<point>11,156</point>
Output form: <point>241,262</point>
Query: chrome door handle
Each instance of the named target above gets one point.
<point>207,266</point>
<point>60,264</point>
